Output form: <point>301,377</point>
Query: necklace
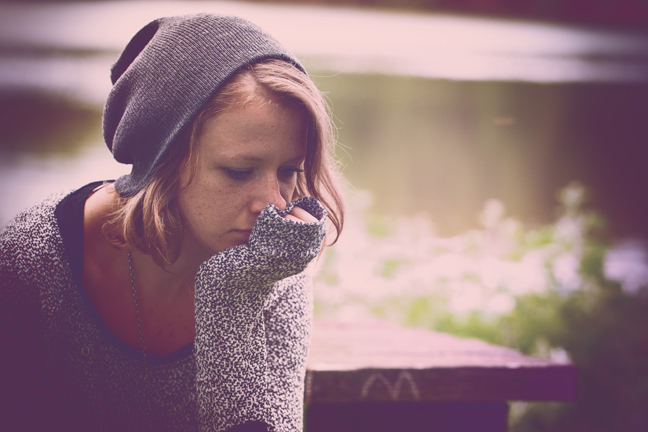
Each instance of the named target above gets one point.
<point>139,321</point>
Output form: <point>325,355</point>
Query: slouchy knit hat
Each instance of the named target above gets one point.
<point>166,74</point>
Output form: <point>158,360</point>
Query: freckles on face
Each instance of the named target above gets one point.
<point>247,158</point>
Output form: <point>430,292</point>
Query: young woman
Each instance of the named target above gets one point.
<point>174,298</point>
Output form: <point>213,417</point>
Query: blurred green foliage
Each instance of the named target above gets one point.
<point>605,333</point>
<point>581,317</point>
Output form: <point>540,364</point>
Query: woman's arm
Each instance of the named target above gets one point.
<point>235,363</point>
<point>31,257</point>
<point>288,321</point>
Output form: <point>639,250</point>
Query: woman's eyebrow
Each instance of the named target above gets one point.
<point>252,158</point>
<point>243,157</point>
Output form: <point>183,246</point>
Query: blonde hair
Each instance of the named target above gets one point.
<point>150,221</point>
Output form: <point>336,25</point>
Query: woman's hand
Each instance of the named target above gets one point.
<point>299,215</point>
<point>281,244</point>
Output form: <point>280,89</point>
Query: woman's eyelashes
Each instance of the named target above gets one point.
<point>284,173</point>
<point>238,174</point>
<point>290,172</point>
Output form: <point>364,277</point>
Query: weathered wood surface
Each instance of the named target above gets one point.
<point>378,362</point>
<point>408,417</point>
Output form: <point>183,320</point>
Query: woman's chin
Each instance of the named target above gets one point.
<point>244,234</point>
<point>233,241</point>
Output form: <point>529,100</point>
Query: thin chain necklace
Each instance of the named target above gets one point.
<point>139,321</point>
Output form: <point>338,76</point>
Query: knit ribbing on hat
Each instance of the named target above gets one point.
<point>166,74</point>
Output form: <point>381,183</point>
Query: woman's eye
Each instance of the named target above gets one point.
<point>237,174</point>
<point>289,172</point>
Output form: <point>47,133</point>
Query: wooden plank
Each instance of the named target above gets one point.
<point>374,362</point>
<point>409,417</point>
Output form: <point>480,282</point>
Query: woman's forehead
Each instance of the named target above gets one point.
<point>252,130</point>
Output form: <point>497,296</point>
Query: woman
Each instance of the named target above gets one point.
<point>174,298</point>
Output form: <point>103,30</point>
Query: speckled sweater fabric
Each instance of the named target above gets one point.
<point>62,369</point>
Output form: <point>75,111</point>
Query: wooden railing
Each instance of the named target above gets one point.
<point>378,377</point>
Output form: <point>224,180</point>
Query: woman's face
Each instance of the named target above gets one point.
<point>247,158</point>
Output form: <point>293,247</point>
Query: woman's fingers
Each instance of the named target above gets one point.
<point>300,215</point>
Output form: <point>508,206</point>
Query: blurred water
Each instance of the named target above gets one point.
<point>26,180</point>
<point>330,39</point>
<point>486,132</point>
<point>67,48</point>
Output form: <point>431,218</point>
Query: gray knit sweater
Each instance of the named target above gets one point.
<point>62,369</point>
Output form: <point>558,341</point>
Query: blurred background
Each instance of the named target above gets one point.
<point>495,152</point>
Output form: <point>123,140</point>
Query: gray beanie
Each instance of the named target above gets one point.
<point>166,74</point>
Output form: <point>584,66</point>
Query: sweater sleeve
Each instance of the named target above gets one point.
<point>30,252</point>
<point>288,321</point>
<point>238,371</point>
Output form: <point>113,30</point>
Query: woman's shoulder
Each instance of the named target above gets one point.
<point>32,234</point>
<point>37,218</point>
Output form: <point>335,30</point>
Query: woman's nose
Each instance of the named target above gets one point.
<point>267,192</point>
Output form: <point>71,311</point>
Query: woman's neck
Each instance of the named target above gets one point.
<point>173,277</point>
<point>165,299</point>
